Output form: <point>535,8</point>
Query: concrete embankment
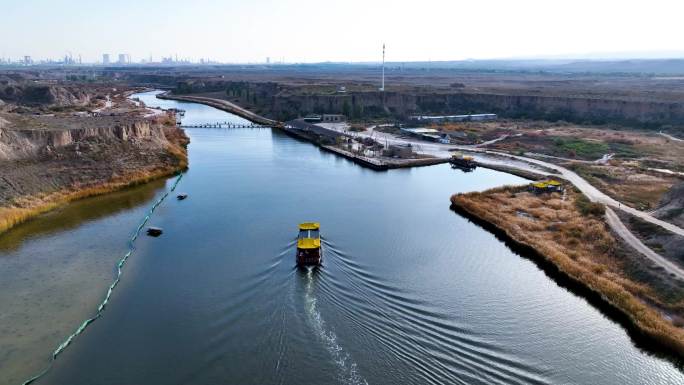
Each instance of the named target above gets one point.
<point>378,164</point>
<point>516,171</point>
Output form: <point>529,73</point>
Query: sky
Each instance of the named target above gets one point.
<point>342,31</point>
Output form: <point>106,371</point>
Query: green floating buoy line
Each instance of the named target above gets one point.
<point>119,272</point>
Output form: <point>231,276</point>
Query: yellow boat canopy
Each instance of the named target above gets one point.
<point>309,226</point>
<point>546,183</point>
<point>459,155</point>
<point>309,243</point>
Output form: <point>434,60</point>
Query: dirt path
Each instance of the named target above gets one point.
<point>633,241</point>
<point>108,104</point>
<point>604,159</point>
<point>222,105</point>
<point>502,137</point>
<point>671,137</point>
<point>592,192</point>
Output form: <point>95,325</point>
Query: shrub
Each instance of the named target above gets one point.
<point>588,208</point>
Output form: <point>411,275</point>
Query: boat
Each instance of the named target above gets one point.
<point>463,162</point>
<point>154,231</point>
<point>181,196</point>
<point>309,244</point>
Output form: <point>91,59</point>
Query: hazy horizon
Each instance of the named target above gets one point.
<point>307,31</point>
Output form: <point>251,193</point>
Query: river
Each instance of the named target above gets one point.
<point>410,292</point>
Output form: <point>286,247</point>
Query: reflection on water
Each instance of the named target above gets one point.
<point>55,268</point>
<point>78,212</point>
<point>409,292</point>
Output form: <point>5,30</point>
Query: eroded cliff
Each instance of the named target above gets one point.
<point>43,165</point>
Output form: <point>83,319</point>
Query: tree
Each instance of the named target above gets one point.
<point>346,109</point>
<point>358,111</point>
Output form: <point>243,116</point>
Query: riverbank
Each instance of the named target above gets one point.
<point>48,168</point>
<point>35,205</point>
<point>572,236</point>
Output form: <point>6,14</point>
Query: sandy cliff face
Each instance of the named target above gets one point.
<point>42,94</point>
<point>527,106</point>
<point>283,103</point>
<point>61,138</point>
<point>39,162</point>
<point>17,143</point>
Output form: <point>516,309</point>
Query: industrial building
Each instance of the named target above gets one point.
<point>322,133</point>
<point>403,151</point>
<point>325,118</point>
<point>333,118</point>
<point>423,133</point>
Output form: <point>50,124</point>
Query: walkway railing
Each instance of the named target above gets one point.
<point>223,125</point>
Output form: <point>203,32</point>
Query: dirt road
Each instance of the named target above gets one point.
<point>590,191</point>
<point>222,105</point>
<point>671,137</point>
<point>620,229</point>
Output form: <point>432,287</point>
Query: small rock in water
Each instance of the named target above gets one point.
<point>154,231</point>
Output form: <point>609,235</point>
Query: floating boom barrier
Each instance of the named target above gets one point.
<point>117,279</point>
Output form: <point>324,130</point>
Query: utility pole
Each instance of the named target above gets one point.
<point>383,68</point>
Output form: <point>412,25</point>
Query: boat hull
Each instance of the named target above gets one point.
<point>308,257</point>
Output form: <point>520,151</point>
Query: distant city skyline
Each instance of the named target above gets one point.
<point>300,31</point>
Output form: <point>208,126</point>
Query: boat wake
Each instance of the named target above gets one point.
<point>411,330</point>
<point>348,371</point>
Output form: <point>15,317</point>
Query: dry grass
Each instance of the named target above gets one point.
<point>627,183</point>
<point>582,248</point>
<point>29,207</point>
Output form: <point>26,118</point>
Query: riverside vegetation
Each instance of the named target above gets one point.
<point>570,233</point>
<point>46,176</point>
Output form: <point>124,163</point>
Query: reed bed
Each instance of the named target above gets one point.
<point>25,208</point>
<point>578,242</point>
<point>29,207</point>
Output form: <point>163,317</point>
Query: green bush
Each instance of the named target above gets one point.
<point>588,208</point>
<point>581,148</point>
